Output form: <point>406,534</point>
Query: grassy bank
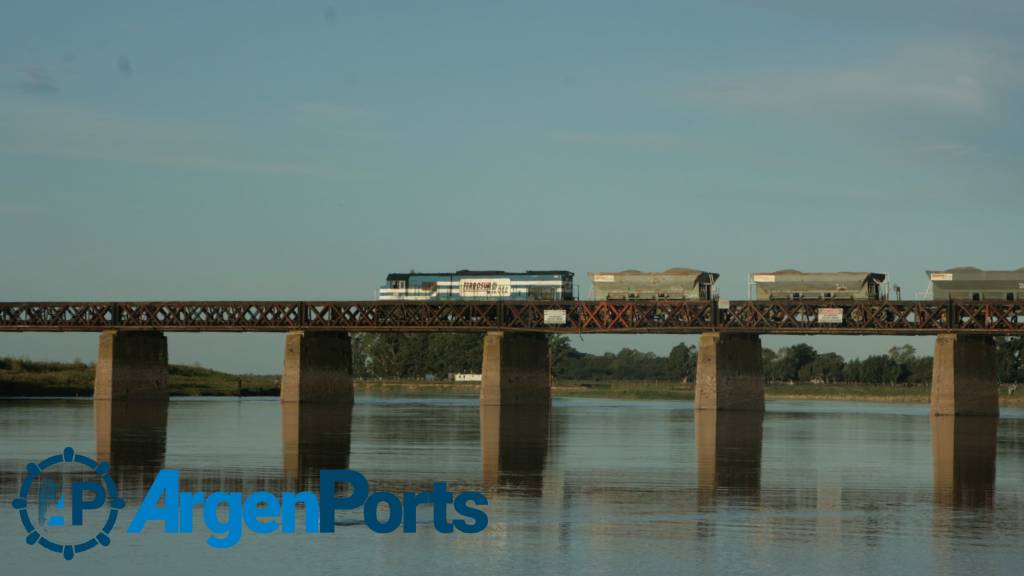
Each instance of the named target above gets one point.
<point>29,378</point>
<point>774,391</point>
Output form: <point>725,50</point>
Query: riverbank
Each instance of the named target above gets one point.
<point>30,378</point>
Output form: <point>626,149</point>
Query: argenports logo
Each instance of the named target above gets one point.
<point>55,496</point>
<point>62,524</point>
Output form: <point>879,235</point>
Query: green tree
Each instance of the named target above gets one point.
<point>792,360</point>
<point>1010,358</point>
<point>828,367</point>
<point>682,362</point>
<point>560,349</point>
<point>903,354</point>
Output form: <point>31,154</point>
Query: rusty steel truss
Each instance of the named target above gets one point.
<point>668,317</point>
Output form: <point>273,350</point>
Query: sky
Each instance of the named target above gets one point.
<point>272,150</point>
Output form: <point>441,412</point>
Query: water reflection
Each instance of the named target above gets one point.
<point>728,453</point>
<point>514,447</point>
<point>132,437</point>
<point>315,437</point>
<point>964,460</point>
<point>603,486</point>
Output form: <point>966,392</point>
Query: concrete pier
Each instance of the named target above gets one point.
<point>516,370</point>
<point>730,375</point>
<point>131,366</point>
<point>317,368</point>
<point>964,376</point>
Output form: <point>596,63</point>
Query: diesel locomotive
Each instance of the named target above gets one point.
<point>479,285</point>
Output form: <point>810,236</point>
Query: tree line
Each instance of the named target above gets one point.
<point>397,356</point>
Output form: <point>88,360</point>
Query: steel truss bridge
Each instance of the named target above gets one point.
<point>580,316</point>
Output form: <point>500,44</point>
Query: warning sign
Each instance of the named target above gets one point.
<point>830,315</point>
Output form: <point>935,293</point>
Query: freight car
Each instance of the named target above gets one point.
<point>672,284</point>
<point>479,285</point>
<point>968,283</point>
<point>796,285</point>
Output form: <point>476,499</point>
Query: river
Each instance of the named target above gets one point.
<point>585,487</point>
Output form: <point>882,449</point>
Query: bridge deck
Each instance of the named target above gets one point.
<point>581,316</point>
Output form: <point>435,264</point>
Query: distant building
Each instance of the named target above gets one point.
<point>465,377</point>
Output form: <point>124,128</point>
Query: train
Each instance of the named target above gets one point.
<point>962,283</point>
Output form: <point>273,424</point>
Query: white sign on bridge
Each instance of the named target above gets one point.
<point>830,315</point>
<point>554,317</point>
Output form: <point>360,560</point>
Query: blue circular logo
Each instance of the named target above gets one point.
<point>42,489</point>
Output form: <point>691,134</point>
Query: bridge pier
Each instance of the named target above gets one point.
<point>317,368</point>
<point>964,376</point>
<point>131,366</point>
<point>516,370</point>
<point>730,375</point>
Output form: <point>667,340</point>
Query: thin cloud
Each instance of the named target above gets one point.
<point>940,77</point>
<point>624,139</point>
<point>950,148</point>
<point>37,81</point>
<point>328,112</point>
<point>72,132</point>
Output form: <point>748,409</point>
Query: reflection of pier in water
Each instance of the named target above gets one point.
<point>315,437</point>
<point>728,453</point>
<point>514,447</point>
<point>132,437</point>
<point>964,460</point>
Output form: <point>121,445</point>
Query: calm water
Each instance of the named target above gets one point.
<point>591,486</point>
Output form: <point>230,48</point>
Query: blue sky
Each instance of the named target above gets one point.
<point>268,150</point>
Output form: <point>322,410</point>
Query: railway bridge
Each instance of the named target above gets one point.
<point>132,360</point>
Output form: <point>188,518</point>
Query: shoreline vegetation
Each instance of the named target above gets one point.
<point>23,378</point>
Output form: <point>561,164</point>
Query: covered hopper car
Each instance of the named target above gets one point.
<point>796,285</point>
<point>478,285</point>
<point>672,284</point>
<point>968,283</point>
